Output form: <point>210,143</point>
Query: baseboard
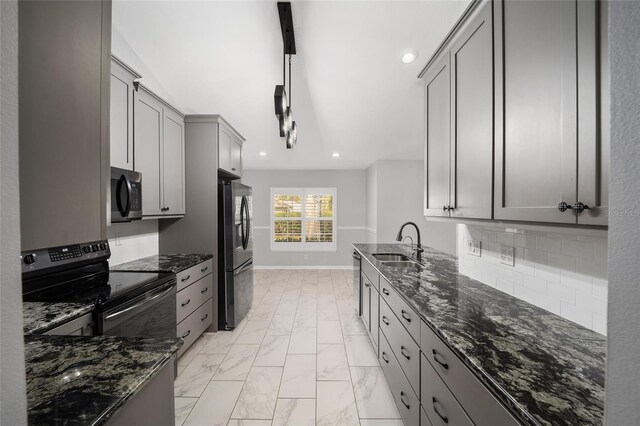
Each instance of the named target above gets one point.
<point>345,267</point>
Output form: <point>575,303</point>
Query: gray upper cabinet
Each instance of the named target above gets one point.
<point>472,117</point>
<point>459,122</point>
<point>551,111</point>
<point>121,119</point>
<point>536,110</point>
<point>159,155</point>
<point>437,150</point>
<point>229,149</point>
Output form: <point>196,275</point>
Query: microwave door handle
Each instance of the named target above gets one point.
<point>127,208</point>
<point>124,211</point>
<point>144,301</point>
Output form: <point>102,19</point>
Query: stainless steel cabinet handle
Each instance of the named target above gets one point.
<point>183,304</point>
<point>406,404</point>
<point>186,278</point>
<point>405,352</point>
<point>366,284</point>
<point>436,359</point>
<point>406,315</point>
<point>580,207</point>
<point>205,290</point>
<point>204,317</point>
<point>384,357</point>
<point>204,269</point>
<point>385,320</point>
<point>233,168</point>
<point>186,334</point>
<point>435,408</point>
<point>385,291</point>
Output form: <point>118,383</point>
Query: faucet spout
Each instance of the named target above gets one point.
<point>419,248</point>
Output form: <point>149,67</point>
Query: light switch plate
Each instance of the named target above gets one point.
<point>474,248</point>
<point>507,255</point>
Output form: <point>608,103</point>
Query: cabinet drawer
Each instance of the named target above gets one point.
<point>424,419</point>
<point>195,324</point>
<point>407,316</point>
<point>371,273</point>
<point>190,298</point>
<point>407,352</point>
<point>439,404</point>
<point>193,274</point>
<point>477,400</point>
<point>406,400</point>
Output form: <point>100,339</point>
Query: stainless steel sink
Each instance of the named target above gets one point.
<point>391,257</point>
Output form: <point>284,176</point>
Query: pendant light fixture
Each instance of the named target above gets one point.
<point>287,127</point>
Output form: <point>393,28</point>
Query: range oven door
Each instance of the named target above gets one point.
<point>152,314</point>
<point>126,195</point>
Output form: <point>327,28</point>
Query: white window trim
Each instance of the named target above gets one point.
<point>304,246</point>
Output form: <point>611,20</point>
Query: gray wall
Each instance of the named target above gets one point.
<point>372,202</point>
<point>397,191</point>
<point>12,395</point>
<point>351,216</point>
<point>623,354</point>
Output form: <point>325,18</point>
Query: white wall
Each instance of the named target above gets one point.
<point>394,196</point>
<point>13,399</point>
<point>623,353</point>
<point>351,214</point>
<point>562,270</point>
<point>132,240</point>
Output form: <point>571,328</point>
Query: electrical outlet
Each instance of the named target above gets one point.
<point>507,255</point>
<point>118,238</point>
<point>474,247</point>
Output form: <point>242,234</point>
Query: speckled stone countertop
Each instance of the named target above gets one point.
<point>40,317</point>
<point>163,263</point>
<point>75,380</point>
<point>549,370</point>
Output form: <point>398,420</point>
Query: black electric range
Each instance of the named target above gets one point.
<point>126,303</point>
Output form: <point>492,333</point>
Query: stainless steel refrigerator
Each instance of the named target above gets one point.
<point>235,262</point>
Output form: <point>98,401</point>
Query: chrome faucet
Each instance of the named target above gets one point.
<point>419,250</point>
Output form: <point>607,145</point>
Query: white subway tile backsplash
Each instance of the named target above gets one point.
<point>582,249</point>
<point>562,271</point>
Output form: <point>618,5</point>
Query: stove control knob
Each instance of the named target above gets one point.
<point>87,249</point>
<point>94,247</point>
<point>30,258</point>
<point>103,246</point>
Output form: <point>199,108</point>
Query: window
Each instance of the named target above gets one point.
<point>303,219</point>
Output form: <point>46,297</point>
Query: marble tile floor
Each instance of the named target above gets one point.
<point>300,357</point>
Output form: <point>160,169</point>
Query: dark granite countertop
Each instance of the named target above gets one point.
<point>75,380</point>
<point>549,370</point>
<point>163,263</point>
<point>40,317</point>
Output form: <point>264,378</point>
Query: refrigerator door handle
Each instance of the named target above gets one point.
<point>243,215</point>
<point>248,265</point>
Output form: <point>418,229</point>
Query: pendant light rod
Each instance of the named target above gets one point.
<point>290,81</point>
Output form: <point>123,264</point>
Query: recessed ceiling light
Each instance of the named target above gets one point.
<point>335,154</point>
<point>409,57</point>
<point>262,153</point>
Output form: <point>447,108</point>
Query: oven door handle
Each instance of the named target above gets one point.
<point>166,289</point>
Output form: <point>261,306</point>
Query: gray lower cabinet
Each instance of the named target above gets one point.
<point>429,383</point>
<point>153,405</point>
<point>81,326</point>
<point>123,89</point>
<point>159,154</point>
<point>194,302</point>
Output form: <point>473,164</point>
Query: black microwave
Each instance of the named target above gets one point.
<point>126,195</point>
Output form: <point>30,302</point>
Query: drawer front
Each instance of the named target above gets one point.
<point>438,402</point>
<point>374,318</point>
<point>477,400</point>
<point>366,302</point>
<point>407,352</point>
<point>193,274</point>
<point>190,298</point>
<point>424,419</point>
<point>195,324</point>
<point>371,273</point>
<point>406,400</point>
<point>408,317</point>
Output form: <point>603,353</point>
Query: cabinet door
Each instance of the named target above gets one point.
<point>225,142</point>
<point>173,161</point>
<point>236,156</point>
<point>366,303</point>
<point>374,320</point>
<point>148,137</point>
<point>437,139</point>
<point>536,110</point>
<point>472,109</point>
<point>121,119</point>
<point>593,111</point>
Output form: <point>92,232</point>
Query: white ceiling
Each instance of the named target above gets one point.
<point>350,92</point>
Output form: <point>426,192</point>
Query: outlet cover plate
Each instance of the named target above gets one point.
<point>507,255</point>
<point>474,248</point>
